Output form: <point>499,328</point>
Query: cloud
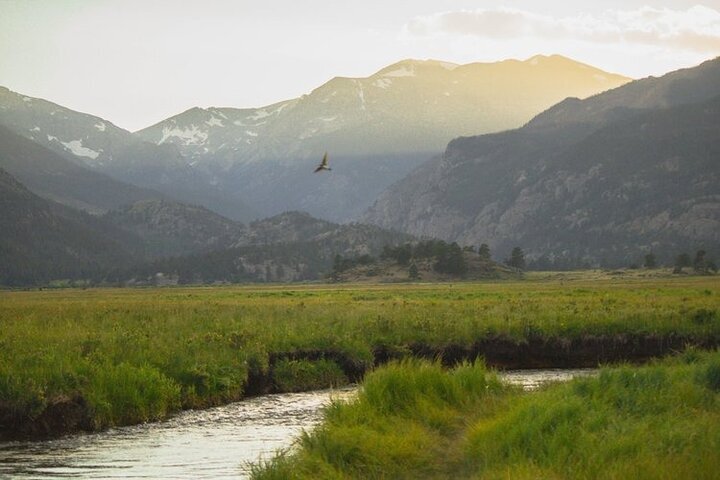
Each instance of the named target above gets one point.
<point>696,29</point>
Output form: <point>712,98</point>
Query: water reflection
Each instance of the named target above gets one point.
<point>533,379</point>
<point>216,443</point>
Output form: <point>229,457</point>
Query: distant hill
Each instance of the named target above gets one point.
<point>376,129</point>
<point>289,247</point>
<point>96,144</point>
<point>171,229</point>
<point>160,241</point>
<point>54,177</point>
<point>41,240</point>
<point>595,181</point>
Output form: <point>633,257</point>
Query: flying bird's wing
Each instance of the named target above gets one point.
<point>323,164</point>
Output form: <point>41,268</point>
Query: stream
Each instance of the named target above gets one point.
<point>217,443</point>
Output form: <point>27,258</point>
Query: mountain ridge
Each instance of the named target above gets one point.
<point>56,178</point>
<point>98,145</point>
<point>498,188</point>
<point>376,128</point>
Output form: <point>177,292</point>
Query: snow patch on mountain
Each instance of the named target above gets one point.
<point>361,93</point>
<point>382,83</point>
<point>251,133</point>
<point>190,136</point>
<point>403,71</point>
<point>76,147</point>
<point>214,122</point>
<point>100,126</point>
<point>260,114</point>
<point>448,65</point>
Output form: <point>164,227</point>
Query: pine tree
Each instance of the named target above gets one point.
<point>700,264</point>
<point>681,261</point>
<point>413,273</point>
<point>650,261</point>
<point>484,252</point>
<point>517,259</point>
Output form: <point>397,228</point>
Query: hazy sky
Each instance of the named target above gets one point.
<point>135,62</point>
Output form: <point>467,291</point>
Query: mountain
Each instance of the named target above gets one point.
<point>376,129</point>
<point>598,181</point>
<point>688,85</point>
<point>96,144</point>
<point>169,228</point>
<point>54,177</point>
<point>411,106</point>
<point>41,240</point>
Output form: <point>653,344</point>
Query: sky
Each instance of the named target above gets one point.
<point>136,62</point>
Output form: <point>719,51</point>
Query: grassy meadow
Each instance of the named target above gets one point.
<point>123,356</point>
<point>414,419</point>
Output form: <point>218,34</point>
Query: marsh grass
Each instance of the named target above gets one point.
<point>138,354</point>
<point>414,419</point>
<point>303,375</point>
<point>399,426</point>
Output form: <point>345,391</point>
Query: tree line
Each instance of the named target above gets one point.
<point>448,258</point>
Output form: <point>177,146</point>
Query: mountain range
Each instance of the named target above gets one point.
<point>599,180</point>
<point>99,146</point>
<point>376,129</point>
<point>596,181</point>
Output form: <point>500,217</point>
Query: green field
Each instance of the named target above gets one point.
<point>417,420</point>
<point>105,357</point>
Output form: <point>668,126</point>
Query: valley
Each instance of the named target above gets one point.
<point>493,229</point>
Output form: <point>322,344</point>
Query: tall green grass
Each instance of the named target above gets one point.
<point>399,427</point>
<point>137,354</point>
<point>415,420</point>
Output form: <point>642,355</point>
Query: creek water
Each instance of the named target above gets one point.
<point>216,443</point>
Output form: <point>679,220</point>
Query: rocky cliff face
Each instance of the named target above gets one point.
<point>595,181</point>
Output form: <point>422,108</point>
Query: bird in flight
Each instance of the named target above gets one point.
<point>323,165</point>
